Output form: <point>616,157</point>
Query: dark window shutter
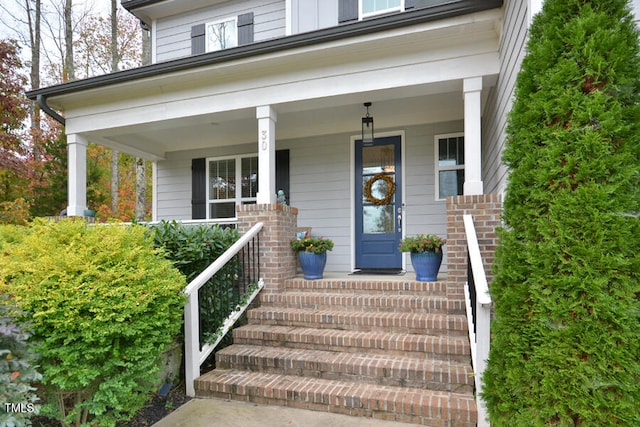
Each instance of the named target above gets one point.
<point>197,39</point>
<point>409,4</point>
<point>198,189</point>
<point>245,29</point>
<point>282,173</point>
<point>348,10</point>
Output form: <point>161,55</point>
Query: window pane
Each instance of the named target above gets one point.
<point>222,210</point>
<point>222,179</point>
<point>372,6</point>
<point>451,151</point>
<point>222,35</point>
<point>379,158</point>
<point>378,219</point>
<point>451,183</point>
<point>249,177</point>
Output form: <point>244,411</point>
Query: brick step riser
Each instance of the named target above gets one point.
<point>419,407</point>
<point>445,325</point>
<point>365,304</point>
<point>435,377</point>
<point>364,287</point>
<point>415,346</point>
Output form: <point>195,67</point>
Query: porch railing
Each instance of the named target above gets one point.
<point>217,298</point>
<point>478,302</point>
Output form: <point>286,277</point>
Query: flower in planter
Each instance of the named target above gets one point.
<point>422,243</point>
<point>317,245</point>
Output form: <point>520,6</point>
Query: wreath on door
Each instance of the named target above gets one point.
<point>368,188</point>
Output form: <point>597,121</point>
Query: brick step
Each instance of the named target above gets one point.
<point>411,405</point>
<point>355,285</point>
<point>407,323</point>
<point>365,302</point>
<point>387,370</point>
<point>408,345</point>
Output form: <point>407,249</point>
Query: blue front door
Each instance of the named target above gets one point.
<point>378,207</point>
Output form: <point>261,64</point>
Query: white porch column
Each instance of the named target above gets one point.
<point>77,150</point>
<point>267,118</point>
<point>472,136</point>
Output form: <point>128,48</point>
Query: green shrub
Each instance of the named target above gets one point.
<point>567,286</point>
<point>103,304</point>
<point>192,247</point>
<point>12,233</point>
<point>17,370</point>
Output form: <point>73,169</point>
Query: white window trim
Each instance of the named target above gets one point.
<point>363,15</point>
<point>436,161</point>
<point>238,200</point>
<point>219,21</point>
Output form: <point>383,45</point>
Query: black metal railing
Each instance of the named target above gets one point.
<point>224,292</point>
<point>472,293</point>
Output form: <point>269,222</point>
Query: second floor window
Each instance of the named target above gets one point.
<point>376,7</point>
<point>221,34</point>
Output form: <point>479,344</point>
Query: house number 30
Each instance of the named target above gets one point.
<point>264,136</point>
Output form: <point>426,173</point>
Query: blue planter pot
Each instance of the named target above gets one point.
<point>426,265</point>
<point>312,264</point>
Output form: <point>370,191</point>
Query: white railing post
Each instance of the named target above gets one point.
<point>191,342</point>
<point>481,340</point>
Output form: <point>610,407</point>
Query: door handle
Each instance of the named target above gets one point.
<point>399,222</point>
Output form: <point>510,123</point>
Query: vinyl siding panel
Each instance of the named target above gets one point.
<point>511,51</point>
<point>173,34</point>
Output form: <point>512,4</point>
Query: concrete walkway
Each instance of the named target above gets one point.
<point>224,413</point>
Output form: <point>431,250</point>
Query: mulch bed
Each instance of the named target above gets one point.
<point>152,412</point>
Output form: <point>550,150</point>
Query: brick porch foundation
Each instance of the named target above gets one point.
<point>277,259</point>
<point>486,210</point>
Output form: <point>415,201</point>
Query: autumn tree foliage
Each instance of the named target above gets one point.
<point>33,161</point>
<point>13,152</point>
<point>565,348</point>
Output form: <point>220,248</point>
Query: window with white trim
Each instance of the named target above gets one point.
<point>232,181</point>
<point>370,8</point>
<point>449,165</point>
<point>222,34</point>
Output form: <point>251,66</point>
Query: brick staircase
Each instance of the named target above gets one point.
<point>388,349</point>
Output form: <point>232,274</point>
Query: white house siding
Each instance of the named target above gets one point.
<point>321,177</point>
<point>173,34</point>
<point>500,100</point>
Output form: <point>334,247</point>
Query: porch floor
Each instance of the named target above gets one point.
<point>404,276</point>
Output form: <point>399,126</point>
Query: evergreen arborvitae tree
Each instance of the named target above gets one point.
<point>566,335</point>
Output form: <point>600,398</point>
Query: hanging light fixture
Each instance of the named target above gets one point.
<point>367,127</point>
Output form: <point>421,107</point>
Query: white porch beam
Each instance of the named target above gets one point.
<point>267,118</point>
<point>472,88</point>
<point>77,198</point>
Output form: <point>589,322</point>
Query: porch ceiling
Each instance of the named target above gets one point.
<point>392,109</point>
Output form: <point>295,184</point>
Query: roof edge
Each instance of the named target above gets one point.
<point>324,35</point>
<point>136,4</point>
